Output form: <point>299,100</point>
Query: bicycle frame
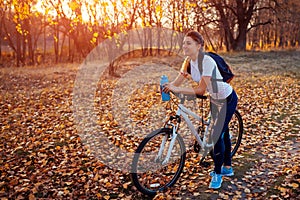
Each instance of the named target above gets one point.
<point>184,112</point>
<point>160,157</point>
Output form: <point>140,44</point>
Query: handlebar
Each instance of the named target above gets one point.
<point>183,97</point>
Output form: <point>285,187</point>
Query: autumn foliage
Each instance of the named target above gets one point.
<point>35,32</point>
<point>42,155</point>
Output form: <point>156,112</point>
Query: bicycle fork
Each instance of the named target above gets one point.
<point>175,127</point>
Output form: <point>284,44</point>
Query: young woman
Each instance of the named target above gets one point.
<point>223,102</point>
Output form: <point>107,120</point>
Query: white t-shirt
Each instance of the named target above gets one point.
<point>208,64</point>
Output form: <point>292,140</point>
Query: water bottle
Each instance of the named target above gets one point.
<point>164,96</point>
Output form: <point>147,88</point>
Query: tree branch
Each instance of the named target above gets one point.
<point>263,8</point>
<point>259,24</point>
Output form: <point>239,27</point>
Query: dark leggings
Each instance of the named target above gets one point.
<point>222,112</point>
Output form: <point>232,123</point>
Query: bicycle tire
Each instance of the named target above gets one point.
<point>145,152</point>
<point>236,130</point>
<point>236,133</point>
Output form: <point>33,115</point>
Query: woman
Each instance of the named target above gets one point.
<point>223,102</point>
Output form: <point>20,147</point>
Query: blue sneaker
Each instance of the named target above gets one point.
<point>216,181</point>
<point>227,172</point>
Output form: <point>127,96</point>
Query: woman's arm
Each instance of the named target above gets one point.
<point>178,80</point>
<point>200,89</point>
<point>183,73</point>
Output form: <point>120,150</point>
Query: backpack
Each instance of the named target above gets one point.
<point>223,67</point>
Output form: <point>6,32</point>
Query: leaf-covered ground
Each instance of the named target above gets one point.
<point>43,155</point>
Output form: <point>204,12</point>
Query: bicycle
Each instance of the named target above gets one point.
<point>160,157</point>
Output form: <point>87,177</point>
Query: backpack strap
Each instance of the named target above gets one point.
<point>200,61</point>
<point>186,69</point>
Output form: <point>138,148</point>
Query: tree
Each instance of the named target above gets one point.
<point>242,11</point>
<point>12,27</point>
<point>288,15</point>
<point>233,18</point>
<point>86,23</point>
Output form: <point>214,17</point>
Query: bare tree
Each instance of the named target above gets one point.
<point>236,36</point>
<point>232,19</point>
<point>288,18</point>
<point>230,23</point>
<point>12,30</point>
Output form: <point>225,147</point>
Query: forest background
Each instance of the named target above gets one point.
<point>34,32</point>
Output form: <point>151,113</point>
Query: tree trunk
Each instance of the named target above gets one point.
<point>71,51</point>
<point>241,40</point>
<point>62,47</point>
<point>45,40</point>
<point>56,41</point>
<point>1,21</point>
<point>24,45</point>
<point>28,38</point>
<point>30,49</point>
<point>18,50</point>
<point>281,37</point>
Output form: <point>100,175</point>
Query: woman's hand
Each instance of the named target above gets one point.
<point>168,87</point>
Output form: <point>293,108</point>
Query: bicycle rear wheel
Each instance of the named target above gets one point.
<point>148,174</point>
<point>236,132</point>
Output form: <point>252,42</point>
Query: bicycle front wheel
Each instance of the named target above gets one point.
<point>235,132</point>
<point>150,171</point>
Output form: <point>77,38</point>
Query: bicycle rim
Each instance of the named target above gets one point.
<point>149,175</point>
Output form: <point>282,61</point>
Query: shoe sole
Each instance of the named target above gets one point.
<point>231,174</point>
<point>216,187</point>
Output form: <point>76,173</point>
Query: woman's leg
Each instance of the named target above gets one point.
<point>231,107</point>
<point>227,149</point>
<point>218,155</point>
<point>222,117</point>
<point>218,109</point>
<point>220,130</point>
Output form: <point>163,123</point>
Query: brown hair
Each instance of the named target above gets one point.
<point>196,36</point>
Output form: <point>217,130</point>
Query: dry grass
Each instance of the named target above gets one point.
<point>277,62</point>
<point>249,62</point>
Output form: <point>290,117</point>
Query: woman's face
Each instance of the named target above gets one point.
<point>190,47</point>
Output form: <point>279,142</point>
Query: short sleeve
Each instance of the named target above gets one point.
<point>208,65</point>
